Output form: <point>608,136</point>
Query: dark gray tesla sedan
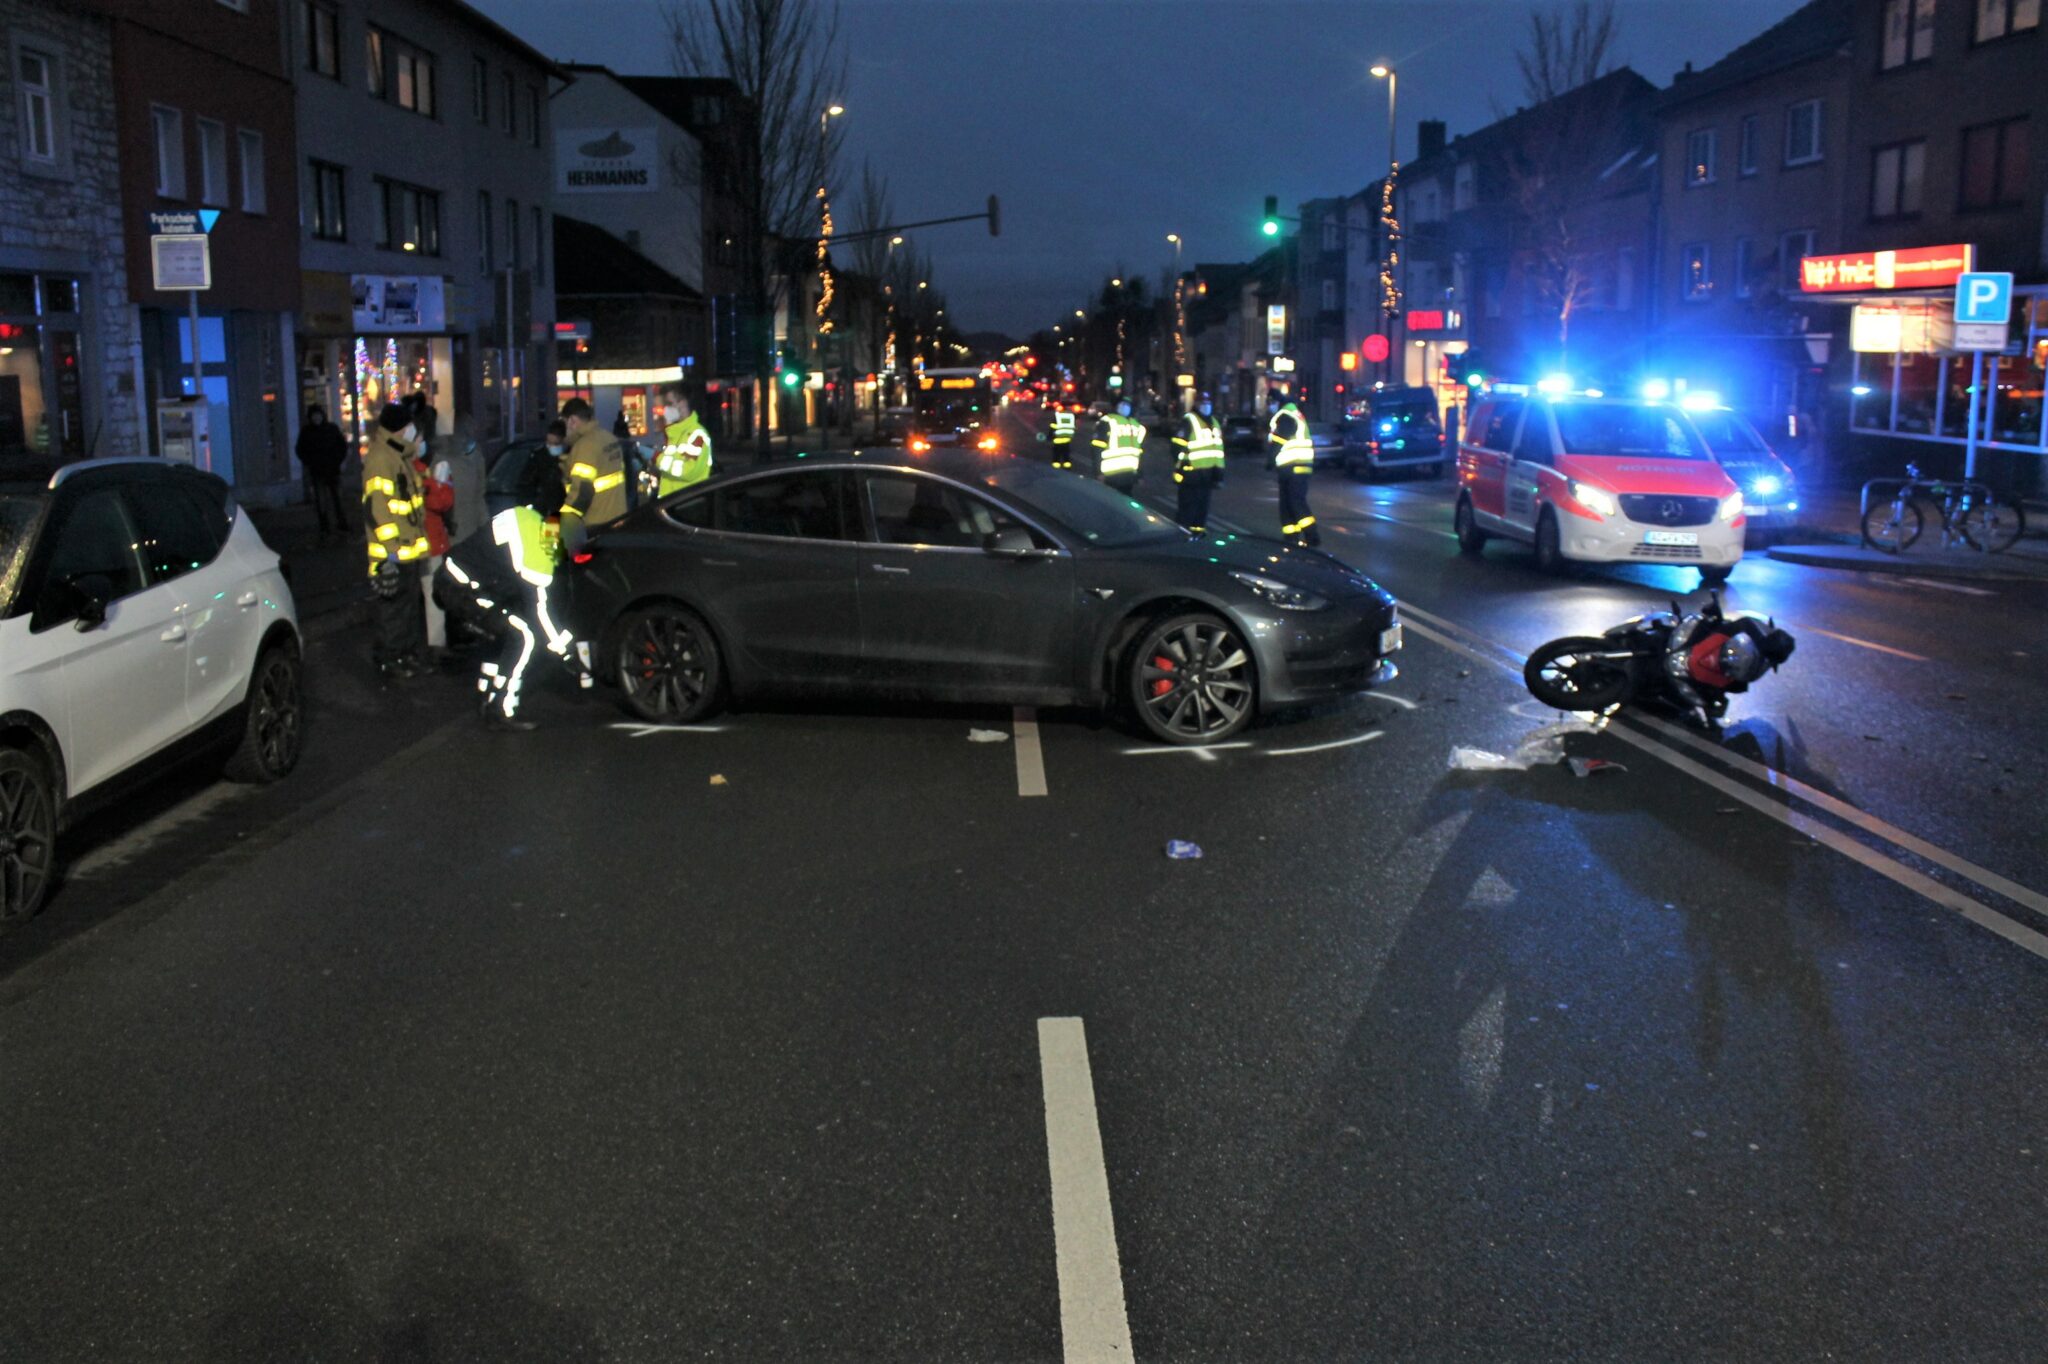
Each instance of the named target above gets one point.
<point>965,578</point>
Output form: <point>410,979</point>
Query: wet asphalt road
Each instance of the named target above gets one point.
<point>546,1047</point>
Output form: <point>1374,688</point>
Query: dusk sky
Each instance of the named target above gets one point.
<point>1106,124</point>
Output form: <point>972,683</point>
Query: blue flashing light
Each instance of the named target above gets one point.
<point>1770,485</point>
<point>1860,390</point>
<point>1700,400</point>
<point>1554,385</point>
<point>1656,390</point>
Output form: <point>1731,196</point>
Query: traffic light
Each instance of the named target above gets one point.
<point>792,377</point>
<point>1470,368</point>
<point>1271,227</point>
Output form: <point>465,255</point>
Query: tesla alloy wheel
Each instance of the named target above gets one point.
<point>1191,680</point>
<point>28,835</point>
<point>668,665</point>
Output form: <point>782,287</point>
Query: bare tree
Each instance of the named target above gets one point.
<point>784,56</point>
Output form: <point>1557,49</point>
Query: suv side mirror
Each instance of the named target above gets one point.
<point>91,592</point>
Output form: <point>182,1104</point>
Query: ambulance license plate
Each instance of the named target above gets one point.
<point>1671,537</point>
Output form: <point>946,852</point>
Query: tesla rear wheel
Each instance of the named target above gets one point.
<point>1549,553</point>
<point>274,720</point>
<point>1564,676</point>
<point>1191,681</point>
<point>669,669</point>
<point>1471,539</point>
<point>28,835</point>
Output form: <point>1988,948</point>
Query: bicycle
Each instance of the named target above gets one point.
<point>1972,514</point>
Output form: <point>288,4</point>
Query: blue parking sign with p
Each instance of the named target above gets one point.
<point>1984,296</point>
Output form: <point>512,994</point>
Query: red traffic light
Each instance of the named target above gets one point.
<point>1374,348</point>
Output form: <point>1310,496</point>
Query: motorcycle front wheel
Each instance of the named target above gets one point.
<point>1569,674</point>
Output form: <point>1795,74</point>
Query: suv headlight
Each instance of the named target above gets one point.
<point>1283,595</point>
<point>1731,506</point>
<point>1592,499</point>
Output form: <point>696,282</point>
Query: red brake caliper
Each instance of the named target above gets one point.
<point>1162,685</point>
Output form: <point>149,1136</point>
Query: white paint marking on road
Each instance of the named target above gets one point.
<point>1403,702</point>
<point>1093,1323</point>
<point>1861,643</point>
<point>1207,752</point>
<point>1364,738</point>
<point>1841,809</point>
<point>640,731</point>
<point>1030,758</point>
<point>1950,587</point>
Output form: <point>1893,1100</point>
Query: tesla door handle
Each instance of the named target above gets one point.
<point>172,634</point>
<point>889,568</point>
<point>248,599</point>
<point>721,563</point>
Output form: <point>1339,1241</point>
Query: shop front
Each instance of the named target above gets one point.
<point>42,391</point>
<point>373,339</point>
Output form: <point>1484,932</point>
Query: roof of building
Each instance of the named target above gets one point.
<point>672,94</point>
<point>470,14</point>
<point>591,262</point>
<point>1816,30</point>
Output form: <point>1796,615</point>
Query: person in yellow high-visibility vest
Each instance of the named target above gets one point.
<point>502,581</point>
<point>593,475</point>
<point>685,456</point>
<point>1119,447</point>
<point>395,520</point>
<point>1197,464</point>
<point>1062,438</point>
<point>1293,453</point>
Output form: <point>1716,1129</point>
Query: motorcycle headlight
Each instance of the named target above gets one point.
<point>1286,596</point>
<point>1731,506</point>
<point>1593,499</point>
<point>1769,485</point>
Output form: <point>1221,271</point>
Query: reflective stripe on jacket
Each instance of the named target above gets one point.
<point>594,481</point>
<point>529,541</point>
<point>1199,442</point>
<point>1122,443</point>
<point>1062,427</point>
<point>685,456</point>
<point>394,503</point>
<point>1294,449</point>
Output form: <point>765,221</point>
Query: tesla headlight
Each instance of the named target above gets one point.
<point>1731,506</point>
<point>1283,595</point>
<point>1593,499</point>
<point>1769,485</point>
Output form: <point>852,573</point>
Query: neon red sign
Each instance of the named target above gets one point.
<point>1912,267</point>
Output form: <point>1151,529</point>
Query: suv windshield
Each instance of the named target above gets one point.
<point>19,513</point>
<point>1623,429</point>
<point>1727,434</point>
<point>1103,517</point>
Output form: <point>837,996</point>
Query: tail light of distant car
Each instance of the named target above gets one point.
<point>918,445</point>
<point>986,443</point>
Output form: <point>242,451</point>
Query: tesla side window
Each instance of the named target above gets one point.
<point>174,538</point>
<point>694,511</point>
<point>923,511</point>
<point>97,540</point>
<point>792,507</point>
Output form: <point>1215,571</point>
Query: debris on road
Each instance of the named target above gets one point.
<point>718,779</point>
<point>986,736</point>
<point>1181,850</point>
<point>1586,767</point>
<point>1728,809</point>
<point>1542,747</point>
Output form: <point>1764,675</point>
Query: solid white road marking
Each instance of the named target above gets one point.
<point>1403,702</point>
<point>1030,758</point>
<point>1950,587</point>
<point>1861,643</point>
<point>1366,737</point>
<point>1093,1323</point>
<point>1207,752</point>
<point>640,731</point>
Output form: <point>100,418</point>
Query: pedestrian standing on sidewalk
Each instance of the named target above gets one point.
<point>395,522</point>
<point>322,451</point>
<point>438,500</point>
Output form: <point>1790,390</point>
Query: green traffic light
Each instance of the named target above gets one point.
<point>1271,228</point>
<point>790,378</point>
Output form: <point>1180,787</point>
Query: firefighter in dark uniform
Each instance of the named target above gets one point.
<point>593,475</point>
<point>1293,453</point>
<point>1197,464</point>
<point>395,522</point>
<point>500,583</point>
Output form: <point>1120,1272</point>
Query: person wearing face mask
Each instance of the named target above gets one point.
<point>1293,454</point>
<point>593,475</point>
<point>1119,445</point>
<point>685,456</point>
<point>1197,464</point>
<point>394,515</point>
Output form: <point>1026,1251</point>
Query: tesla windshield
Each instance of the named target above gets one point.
<point>1105,518</point>
<point>1617,429</point>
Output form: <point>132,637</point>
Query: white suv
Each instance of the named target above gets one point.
<point>143,621</point>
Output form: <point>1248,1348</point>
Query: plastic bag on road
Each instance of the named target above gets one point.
<point>986,736</point>
<point>1542,747</point>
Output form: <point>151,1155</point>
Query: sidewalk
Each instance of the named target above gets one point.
<point>329,576</point>
<point>1830,535</point>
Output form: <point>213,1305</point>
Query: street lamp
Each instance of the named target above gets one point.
<point>824,307</point>
<point>1180,319</point>
<point>1390,290</point>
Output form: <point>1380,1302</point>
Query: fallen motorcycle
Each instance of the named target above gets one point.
<point>1690,662</point>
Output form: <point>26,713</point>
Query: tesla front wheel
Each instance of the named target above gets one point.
<point>1569,674</point>
<point>1191,681</point>
<point>28,835</point>
<point>669,669</point>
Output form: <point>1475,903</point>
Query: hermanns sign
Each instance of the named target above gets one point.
<point>607,161</point>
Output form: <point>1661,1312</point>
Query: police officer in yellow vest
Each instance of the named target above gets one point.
<point>685,456</point>
<point>1062,439</point>
<point>1294,460</point>
<point>1197,464</point>
<point>503,579</point>
<point>1119,446</point>
<point>593,475</point>
<point>395,520</point>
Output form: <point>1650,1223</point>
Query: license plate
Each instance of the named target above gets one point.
<point>1390,639</point>
<point>1671,537</point>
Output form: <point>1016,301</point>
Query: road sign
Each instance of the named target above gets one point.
<point>1980,336</point>
<point>180,262</point>
<point>1276,328</point>
<point>1984,296</point>
<point>184,222</point>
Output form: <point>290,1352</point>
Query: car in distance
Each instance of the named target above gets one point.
<point>1394,428</point>
<point>1598,480</point>
<point>143,622</point>
<point>954,578</point>
<point>1243,434</point>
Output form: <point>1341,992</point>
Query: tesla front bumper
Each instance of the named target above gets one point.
<point>1311,655</point>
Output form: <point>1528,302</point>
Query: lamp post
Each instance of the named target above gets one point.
<point>1390,261</point>
<point>825,291</point>
<point>1180,318</point>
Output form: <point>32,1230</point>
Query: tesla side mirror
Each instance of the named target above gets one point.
<point>93,592</point>
<point>1010,540</point>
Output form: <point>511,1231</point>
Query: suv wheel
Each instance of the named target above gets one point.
<point>28,835</point>
<point>1471,539</point>
<point>273,721</point>
<point>1549,553</point>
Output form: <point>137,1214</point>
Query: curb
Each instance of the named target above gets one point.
<point>1856,560</point>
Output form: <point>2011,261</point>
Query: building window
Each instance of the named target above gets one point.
<point>254,199</point>
<point>1994,164</point>
<point>540,247</point>
<point>329,186</point>
<point>533,115</point>
<point>480,90</point>
<point>1908,32</point>
<point>1999,18</point>
<point>213,161</point>
<point>409,218</point>
<point>1696,272</point>
<point>1896,175</point>
<point>1465,186</point>
<point>1699,156</point>
<point>1742,267</point>
<point>1745,145</point>
<point>486,234</point>
<point>167,127</point>
<point>510,116</point>
<point>1802,133</point>
<point>512,253</point>
<point>36,73</point>
<point>323,38</point>
<point>1791,246</point>
<point>401,72</point>
<point>373,62</point>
